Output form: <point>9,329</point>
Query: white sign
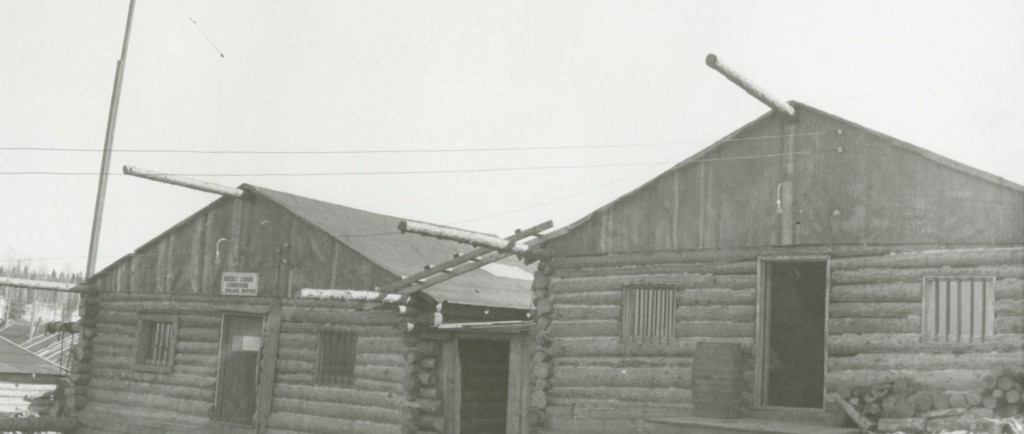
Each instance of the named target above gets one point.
<point>244,284</point>
<point>250,343</point>
<point>246,343</point>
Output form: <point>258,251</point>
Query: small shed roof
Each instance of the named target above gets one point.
<point>504,284</point>
<point>17,360</point>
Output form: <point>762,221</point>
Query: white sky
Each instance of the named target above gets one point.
<point>329,75</point>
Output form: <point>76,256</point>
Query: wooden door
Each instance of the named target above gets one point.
<point>241,342</point>
<point>793,307</point>
<point>520,358</point>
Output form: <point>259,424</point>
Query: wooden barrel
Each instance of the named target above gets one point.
<point>717,380</point>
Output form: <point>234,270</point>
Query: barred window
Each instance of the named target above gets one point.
<point>336,357</point>
<point>156,336</point>
<point>648,315</point>
<point>958,309</point>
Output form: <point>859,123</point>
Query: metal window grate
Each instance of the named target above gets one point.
<point>336,358</point>
<point>648,315</point>
<point>958,309</point>
<point>156,339</point>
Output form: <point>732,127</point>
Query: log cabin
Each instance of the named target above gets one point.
<point>242,319</point>
<point>802,254</point>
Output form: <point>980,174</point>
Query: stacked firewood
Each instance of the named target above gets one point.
<point>905,406</point>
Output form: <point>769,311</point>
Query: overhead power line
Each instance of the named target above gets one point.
<point>399,151</point>
<point>417,172</point>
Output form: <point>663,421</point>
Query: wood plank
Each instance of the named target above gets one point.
<point>930,308</point>
<point>978,310</point>
<point>966,309</point>
<point>451,381</point>
<point>989,316</point>
<point>513,423</point>
<point>942,309</point>
<point>953,289</point>
<point>270,350</point>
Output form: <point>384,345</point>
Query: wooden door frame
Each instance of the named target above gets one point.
<point>215,413</point>
<point>517,399</point>
<point>762,334</point>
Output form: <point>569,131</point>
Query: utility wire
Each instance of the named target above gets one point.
<point>196,24</point>
<point>405,151</point>
<point>394,172</point>
<point>419,172</point>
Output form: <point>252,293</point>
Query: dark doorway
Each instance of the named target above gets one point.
<point>240,344</point>
<point>794,359</point>
<point>484,366</point>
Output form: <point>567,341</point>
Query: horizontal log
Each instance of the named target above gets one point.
<point>338,411</point>
<point>613,346</point>
<point>934,258</point>
<point>1009,289</point>
<point>712,268</point>
<point>334,316</point>
<point>385,374</point>
<point>665,395</point>
<point>171,391</point>
<point>1009,325</point>
<point>585,328</point>
<point>731,313</point>
<point>611,410</point>
<point>339,395</point>
<point>377,345</point>
<point>199,334</point>
<point>851,344</point>
<point>105,416</point>
<point>151,401</point>
<point>199,371</point>
<point>386,330</point>
<point>876,292</point>
<point>874,310</point>
<point>179,380</point>
<point>370,359</point>
<point>873,275</point>
<point>714,329</point>
<point>176,307</point>
<point>1009,308</point>
<point>926,362</point>
<point>874,325</point>
<point>939,380</point>
<point>630,361</point>
<point>716,296</point>
<point>679,281</point>
<point>578,376</point>
<point>607,298</point>
<point>586,312</point>
<point>595,426</point>
<point>39,423</point>
<point>306,379</point>
<point>327,425</point>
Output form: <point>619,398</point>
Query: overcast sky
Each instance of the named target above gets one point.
<point>429,75</point>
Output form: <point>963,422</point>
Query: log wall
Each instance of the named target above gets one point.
<point>588,380</point>
<point>119,399</point>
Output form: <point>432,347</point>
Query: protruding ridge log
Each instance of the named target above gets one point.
<point>182,181</point>
<point>469,237</point>
<point>748,86</point>
<point>41,284</point>
<point>353,295</point>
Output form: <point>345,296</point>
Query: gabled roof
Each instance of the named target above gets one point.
<point>376,237</point>
<point>800,108</point>
<point>17,360</point>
